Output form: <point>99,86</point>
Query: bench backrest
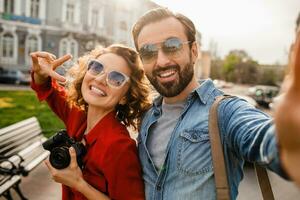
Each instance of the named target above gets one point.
<point>18,136</point>
<point>20,145</point>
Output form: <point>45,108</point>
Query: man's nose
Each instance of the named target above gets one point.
<point>162,58</point>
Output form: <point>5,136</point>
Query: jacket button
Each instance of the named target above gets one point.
<point>194,136</point>
<point>158,187</point>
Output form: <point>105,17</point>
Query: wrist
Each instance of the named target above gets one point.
<point>80,185</point>
<point>40,79</point>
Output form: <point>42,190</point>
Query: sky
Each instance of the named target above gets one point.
<point>263,28</point>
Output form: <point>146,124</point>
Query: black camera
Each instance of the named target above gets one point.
<point>59,145</point>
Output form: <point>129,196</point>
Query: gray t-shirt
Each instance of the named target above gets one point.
<point>160,133</point>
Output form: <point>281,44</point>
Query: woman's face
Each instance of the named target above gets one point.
<point>99,89</point>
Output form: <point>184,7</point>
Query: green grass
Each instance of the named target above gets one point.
<point>19,105</point>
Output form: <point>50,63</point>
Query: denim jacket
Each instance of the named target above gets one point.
<point>187,173</point>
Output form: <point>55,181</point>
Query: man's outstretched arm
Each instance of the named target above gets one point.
<point>287,119</point>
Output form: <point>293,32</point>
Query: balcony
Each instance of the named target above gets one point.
<point>71,26</point>
<point>30,20</point>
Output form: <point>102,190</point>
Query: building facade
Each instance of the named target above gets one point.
<point>65,26</point>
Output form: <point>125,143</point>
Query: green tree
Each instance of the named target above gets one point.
<point>216,69</point>
<point>239,67</point>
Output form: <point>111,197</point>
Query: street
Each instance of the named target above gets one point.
<point>39,185</point>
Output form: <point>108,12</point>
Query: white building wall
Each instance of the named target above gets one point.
<point>64,10</point>
<point>27,8</point>
<point>77,12</point>
<point>1,6</point>
<point>18,7</point>
<point>42,11</point>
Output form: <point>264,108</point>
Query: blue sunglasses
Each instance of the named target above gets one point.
<point>114,79</point>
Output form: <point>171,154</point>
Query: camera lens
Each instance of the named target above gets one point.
<point>60,157</point>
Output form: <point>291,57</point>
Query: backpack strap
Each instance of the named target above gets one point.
<point>220,171</point>
<point>264,182</point>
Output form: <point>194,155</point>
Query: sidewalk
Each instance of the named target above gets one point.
<point>39,186</point>
<point>282,189</point>
<point>10,87</point>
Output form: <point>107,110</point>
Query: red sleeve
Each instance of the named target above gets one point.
<point>123,171</point>
<point>55,96</point>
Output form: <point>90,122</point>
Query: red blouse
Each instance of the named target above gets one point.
<point>111,164</point>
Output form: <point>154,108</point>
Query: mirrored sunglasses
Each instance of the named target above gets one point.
<point>114,79</point>
<point>170,47</point>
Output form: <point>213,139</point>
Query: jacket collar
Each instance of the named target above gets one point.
<point>204,91</point>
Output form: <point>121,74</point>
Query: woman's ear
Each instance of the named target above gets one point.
<point>123,101</point>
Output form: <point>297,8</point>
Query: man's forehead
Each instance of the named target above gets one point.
<point>161,30</point>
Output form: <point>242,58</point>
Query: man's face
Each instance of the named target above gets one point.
<point>169,72</point>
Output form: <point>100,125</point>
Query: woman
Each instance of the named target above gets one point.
<point>109,92</point>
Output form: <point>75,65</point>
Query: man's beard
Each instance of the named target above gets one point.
<point>172,88</point>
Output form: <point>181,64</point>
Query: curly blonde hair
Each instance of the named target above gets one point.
<point>138,95</point>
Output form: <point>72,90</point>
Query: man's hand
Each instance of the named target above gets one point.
<point>287,118</point>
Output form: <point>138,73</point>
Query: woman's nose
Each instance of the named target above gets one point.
<point>101,78</point>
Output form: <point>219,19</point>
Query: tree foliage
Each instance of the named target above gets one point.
<point>239,67</point>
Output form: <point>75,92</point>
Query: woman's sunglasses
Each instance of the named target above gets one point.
<point>171,48</point>
<point>114,79</point>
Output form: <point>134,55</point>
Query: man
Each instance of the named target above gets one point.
<point>173,143</point>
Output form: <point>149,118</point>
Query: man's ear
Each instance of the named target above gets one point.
<point>195,50</point>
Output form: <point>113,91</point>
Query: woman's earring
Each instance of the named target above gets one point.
<point>120,112</point>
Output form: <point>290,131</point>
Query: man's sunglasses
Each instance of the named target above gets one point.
<point>171,48</point>
<point>114,79</point>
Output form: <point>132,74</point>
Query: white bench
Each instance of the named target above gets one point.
<point>20,152</point>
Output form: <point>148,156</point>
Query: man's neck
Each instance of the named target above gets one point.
<point>184,94</point>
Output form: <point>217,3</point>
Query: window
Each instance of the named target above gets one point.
<point>64,47</point>
<point>9,6</point>
<point>73,48</point>
<point>94,18</point>
<point>123,26</point>
<point>70,13</point>
<point>101,17</point>
<point>8,45</point>
<point>34,8</point>
<point>68,45</point>
<point>32,44</point>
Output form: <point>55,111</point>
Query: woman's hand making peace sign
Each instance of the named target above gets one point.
<point>44,65</point>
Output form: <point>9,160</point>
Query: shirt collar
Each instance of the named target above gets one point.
<point>157,102</point>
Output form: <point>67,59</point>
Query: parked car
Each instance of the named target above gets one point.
<point>263,94</point>
<point>14,76</point>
